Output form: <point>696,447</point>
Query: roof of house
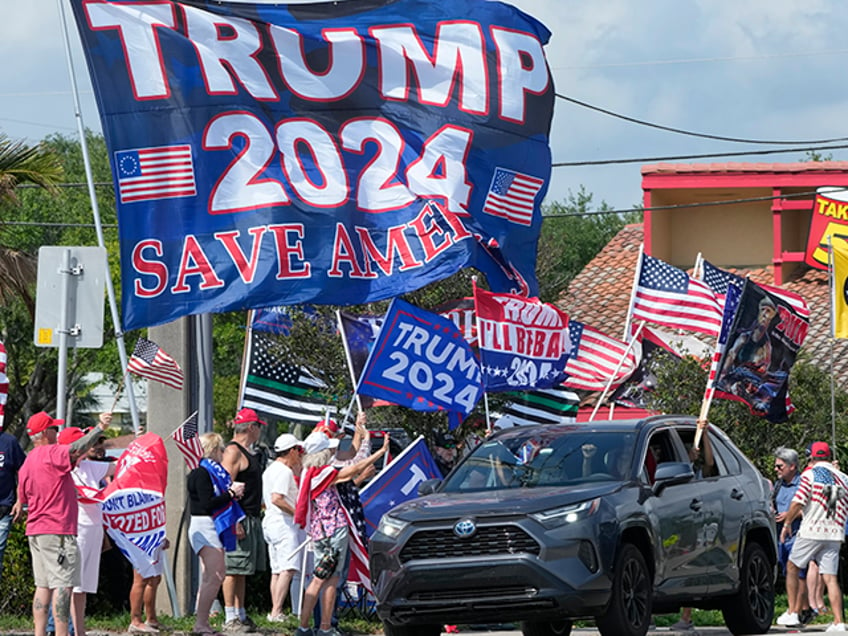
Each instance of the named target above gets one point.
<point>742,167</point>
<point>600,296</point>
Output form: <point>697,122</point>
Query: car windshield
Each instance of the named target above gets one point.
<point>544,458</point>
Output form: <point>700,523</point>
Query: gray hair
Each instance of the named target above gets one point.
<point>788,455</point>
<point>321,458</point>
<point>242,427</point>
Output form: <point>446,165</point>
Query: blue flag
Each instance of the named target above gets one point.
<point>420,360</point>
<point>326,153</point>
<point>397,482</point>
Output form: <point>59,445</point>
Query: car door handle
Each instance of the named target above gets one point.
<point>736,494</point>
<point>696,504</point>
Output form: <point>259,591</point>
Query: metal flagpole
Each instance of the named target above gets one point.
<point>89,178</point>
<point>489,427</point>
<point>636,276</point>
<point>832,278</point>
<point>615,372</point>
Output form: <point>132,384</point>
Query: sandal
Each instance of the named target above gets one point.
<point>159,627</point>
<point>141,629</point>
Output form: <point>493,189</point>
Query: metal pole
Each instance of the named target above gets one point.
<point>832,278</point>
<point>62,373</point>
<point>113,306</point>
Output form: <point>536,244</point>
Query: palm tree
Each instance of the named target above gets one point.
<point>20,164</point>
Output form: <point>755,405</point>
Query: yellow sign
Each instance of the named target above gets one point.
<point>45,336</point>
<point>840,292</point>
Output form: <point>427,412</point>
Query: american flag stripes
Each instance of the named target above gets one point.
<point>147,174</point>
<point>151,362</point>
<point>719,280</point>
<point>512,196</point>
<point>186,439</point>
<point>358,572</point>
<point>594,357</point>
<point>666,295</point>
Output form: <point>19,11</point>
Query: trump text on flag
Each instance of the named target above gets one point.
<point>317,154</point>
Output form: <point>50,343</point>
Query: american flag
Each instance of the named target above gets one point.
<point>4,383</point>
<point>187,441</point>
<point>149,361</point>
<point>668,296</point>
<point>731,304</point>
<point>719,280</point>
<point>146,174</point>
<point>512,196</point>
<point>594,357</point>
<point>359,571</point>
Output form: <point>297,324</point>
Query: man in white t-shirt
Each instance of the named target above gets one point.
<point>822,497</point>
<point>283,536</point>
<point>89,476</point>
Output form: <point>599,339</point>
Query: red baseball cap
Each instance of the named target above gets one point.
<point>820,450</point>
<point>244,416</point>
<point>327,425</point>
<point>70,434</point>
<point>40,422</point>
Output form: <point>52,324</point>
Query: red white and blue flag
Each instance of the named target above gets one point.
<point>188,442</point>
<point>594,358</point>
<point>719,280</point>
<point>522,343</point>
<point>147,174</point>
<point>666,295</point>
<point>512,196</point>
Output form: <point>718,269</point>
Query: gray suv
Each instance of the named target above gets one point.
<point>609,521</point>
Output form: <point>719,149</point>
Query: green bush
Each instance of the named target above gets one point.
<point>17,586</point>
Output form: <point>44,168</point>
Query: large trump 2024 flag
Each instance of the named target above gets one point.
<point>332,153</point>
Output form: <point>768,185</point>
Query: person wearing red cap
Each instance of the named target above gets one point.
<point>89,475</point>
<point>822,498</point>
<point>46,487</point>
<point>243,461</point>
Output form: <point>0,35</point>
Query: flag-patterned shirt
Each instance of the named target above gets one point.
<point>823,491</point>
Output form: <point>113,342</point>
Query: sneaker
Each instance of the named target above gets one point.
<point>277,618</point>
<point>235,626</point>
<point>303,631</point>
<point>836,627</point>
<point>806,616</point>
<point>248,622</point>
<point>788,620</point>
<point>328,632</point>
<point>682,626</point>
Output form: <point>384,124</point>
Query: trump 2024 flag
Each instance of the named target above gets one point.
<point>397,482</point>
<point>420,360</point>
<point>523,343</point>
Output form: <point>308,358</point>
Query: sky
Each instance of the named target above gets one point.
<point>766,70</point>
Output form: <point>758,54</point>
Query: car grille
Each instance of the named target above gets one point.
<point>488,540</point>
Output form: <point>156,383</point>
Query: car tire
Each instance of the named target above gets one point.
<point>751,609</point>
<point>411,630</point>
<point>546,628</point>
<point>631,601</point>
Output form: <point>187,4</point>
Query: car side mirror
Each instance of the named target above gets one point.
<point>428,487</point>
<point>672,473</point>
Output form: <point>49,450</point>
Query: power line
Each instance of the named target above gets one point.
<point>680,131</point>
<point>702,204</point>
<point>605,162</point>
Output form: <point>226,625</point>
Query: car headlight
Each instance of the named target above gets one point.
<point>566,514</point>
<point>391,527</point>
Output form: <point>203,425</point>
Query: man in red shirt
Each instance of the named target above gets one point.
<point>46,487</point>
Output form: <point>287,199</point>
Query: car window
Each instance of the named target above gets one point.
<point>726,459</point>
<point>545,458</point>
<point>699,465</point>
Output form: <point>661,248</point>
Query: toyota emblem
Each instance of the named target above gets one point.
<point>465,528</point>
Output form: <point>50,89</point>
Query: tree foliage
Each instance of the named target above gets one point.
<point>680,389</point>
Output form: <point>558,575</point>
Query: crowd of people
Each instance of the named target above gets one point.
<point>305,489</point>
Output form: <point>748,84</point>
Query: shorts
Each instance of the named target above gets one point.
<point>249,555</point>
<point>825,553</point>
<point>783,551</point>
<point>90,542</point>
<point>202,533</point>
<point>283,542</point>
<point>338,542</point>
<point>55,560</point>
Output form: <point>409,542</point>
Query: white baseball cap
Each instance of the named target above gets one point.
<point>317,441</point>
<point>286,441</point>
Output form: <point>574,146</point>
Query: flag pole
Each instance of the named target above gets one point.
<point>832,277</point>
<point>245,354</point>
<point>636,276</point>
<point>95,211</point>
<point>349,360</point>
<point>630,345</point>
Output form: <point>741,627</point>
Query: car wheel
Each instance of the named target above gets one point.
<point>411,630</point>
<point>546,628</point>
<point>751,610</point>
<point>631,601</point>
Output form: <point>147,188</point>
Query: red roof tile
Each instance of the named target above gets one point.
<point>741,168</point>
